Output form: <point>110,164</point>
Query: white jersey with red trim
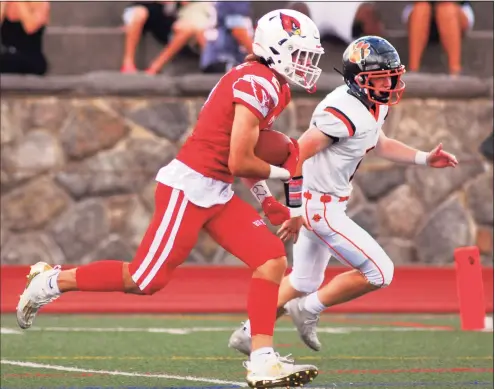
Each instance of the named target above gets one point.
<point>354,130</point>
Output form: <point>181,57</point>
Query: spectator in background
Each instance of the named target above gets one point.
<point>228,43</point>
<point>22,28</point>
<point>345,20</point>
<point>431,21</point>
<point>172,23</point>
<point>193,18</point>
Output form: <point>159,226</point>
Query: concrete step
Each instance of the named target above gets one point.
<point>76,50</point>
<point>391,13</point>
<point>477,54</point>
<point>87,14</point>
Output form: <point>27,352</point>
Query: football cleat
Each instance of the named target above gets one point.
<point>275,371</point>
<point>38,292</point>
<point>305,322</point>
<point>241,341</point>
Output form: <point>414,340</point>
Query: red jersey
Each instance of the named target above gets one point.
<point>251,84</point>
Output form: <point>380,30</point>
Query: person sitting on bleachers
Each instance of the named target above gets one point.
<point>228,43</point>
<point>344,20</point>
<point>430,22</point>
<point>22,28</point>
<point>193,18</point>
<point>173,23</point>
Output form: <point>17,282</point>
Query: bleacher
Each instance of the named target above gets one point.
<point>88,36</point>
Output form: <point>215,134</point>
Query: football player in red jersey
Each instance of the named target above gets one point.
<point>195,191</point>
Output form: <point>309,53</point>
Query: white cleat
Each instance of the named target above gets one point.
<point>305,322</point>
<point>38,292</point>
<point>241,341</point>
<point>276,371</point>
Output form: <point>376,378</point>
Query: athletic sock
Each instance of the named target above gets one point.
<point>262,306</point>
<point>313,304</point>
<point>101,276</point>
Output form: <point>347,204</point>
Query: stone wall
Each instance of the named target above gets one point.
<point>77,177</point>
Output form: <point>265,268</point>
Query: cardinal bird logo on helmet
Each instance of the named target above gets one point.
<point>359,52</point>
<point>290,25</point>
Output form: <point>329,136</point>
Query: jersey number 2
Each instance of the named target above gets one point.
<point>359,163</point>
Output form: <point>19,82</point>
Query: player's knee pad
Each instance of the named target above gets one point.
<point>379,274</point>
<point>306,284</point>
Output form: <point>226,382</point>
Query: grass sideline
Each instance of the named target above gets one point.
<point>184,351</point>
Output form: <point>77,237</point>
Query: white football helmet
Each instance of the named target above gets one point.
<point>289,42</point>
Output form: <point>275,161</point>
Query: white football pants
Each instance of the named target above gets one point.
<point>334,233</point>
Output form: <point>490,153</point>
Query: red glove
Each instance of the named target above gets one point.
<point>293,159</point>
<point>276,212</point>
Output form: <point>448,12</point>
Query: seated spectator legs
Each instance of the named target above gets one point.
<point>183,32</point>
<point>22,27</point>
<point>419,32</point>
<point>201,39</point>
<point>138,15</point>
<point>23,63</point>
<point>451,23</point>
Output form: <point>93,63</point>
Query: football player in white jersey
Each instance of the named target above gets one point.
<point>344,127</point>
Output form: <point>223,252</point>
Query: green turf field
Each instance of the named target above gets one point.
<point>359,351</point>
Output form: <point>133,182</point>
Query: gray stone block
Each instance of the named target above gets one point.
<point>433,186</point>
<point>400,251</point>
<point>378,182</point>
<point>37,153</point>
<point>33,205</point>
<point>30,248</point>
<point>446,229</point>
<point>88,130</point>
<point>165,119</point>
<point>480,198</point>
<point>80,229</point>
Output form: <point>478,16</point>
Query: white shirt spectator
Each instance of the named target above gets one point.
<point>334,18</point>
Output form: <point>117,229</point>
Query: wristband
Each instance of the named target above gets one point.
<point>278,172</point>
<point>293,192</point>
<point>421,158</point>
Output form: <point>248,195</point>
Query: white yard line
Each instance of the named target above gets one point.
<point>9,331</point>
<point>119,373</point>
<point>190,330</point>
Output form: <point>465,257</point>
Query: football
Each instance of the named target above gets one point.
<point>272,147</point>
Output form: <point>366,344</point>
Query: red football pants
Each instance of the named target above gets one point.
<point>174,229</point>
